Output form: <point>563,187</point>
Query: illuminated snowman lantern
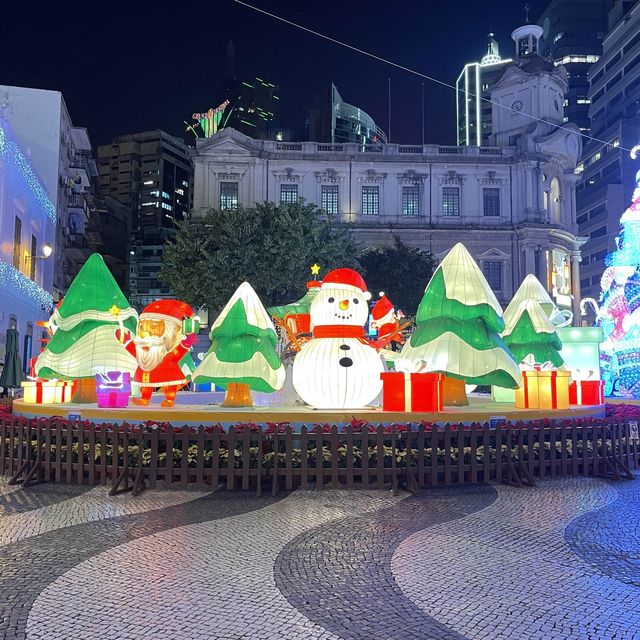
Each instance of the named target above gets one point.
<point>338,369</point>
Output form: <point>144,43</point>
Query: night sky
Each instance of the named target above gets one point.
<point>138,65</point>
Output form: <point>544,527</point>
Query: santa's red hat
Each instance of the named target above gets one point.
<point>348,279</point>
<point>168,310</point>
<point>381,308</point>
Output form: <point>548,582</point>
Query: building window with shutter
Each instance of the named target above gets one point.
<point>451,201</point>
<point>329,198</point>
<point>370,201</point>
<point>228,195</point>
<point>288,193</point>
<point>411,200</point>
<point>492,270</point>
<point>491,201</point>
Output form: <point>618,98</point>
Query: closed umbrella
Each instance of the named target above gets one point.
<point>11,375</point>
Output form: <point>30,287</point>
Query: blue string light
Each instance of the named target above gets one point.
<point>11,151</point>
<point>12,279</point>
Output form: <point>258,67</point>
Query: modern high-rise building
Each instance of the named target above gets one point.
<point>473,92</point>
<point>606,170</point>
<point>335,121</point>
<point>61,156</point>
<point>572,36</point>
<point>249,107</point>
<point>151,173</point>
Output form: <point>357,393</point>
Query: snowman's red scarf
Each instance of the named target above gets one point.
<point>340,331</point>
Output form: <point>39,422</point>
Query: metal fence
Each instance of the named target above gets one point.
<point>277,457</point>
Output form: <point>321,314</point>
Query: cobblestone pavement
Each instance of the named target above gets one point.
<point>559,561</point>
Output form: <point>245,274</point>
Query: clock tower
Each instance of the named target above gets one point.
<point>529,97</point>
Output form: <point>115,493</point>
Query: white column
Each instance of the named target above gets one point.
<point>575,287</point>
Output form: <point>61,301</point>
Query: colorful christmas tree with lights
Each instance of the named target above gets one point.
<point>458,327</point>
<point>619,312</point>
<point>243,353</point>
<point>85,325</point>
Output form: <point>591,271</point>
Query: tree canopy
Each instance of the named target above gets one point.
<point>270,246</point>
<point>399,271</point>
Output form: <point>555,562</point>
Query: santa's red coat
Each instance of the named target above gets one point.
<point>167,374</point>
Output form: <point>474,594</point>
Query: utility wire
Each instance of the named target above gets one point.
<point>417,73</point>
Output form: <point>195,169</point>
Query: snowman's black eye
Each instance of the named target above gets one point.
<point>331,300</point>
<point>356,301</point>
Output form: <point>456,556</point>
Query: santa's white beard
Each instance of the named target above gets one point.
<point>150,352</point>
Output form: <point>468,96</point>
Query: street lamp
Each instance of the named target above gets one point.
<point>47,250</point>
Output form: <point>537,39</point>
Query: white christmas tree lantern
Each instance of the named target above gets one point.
<point>338,369</point>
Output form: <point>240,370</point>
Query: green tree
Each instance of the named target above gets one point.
<point>530,332</point>
<point>458,326</point>
<point>243,354</point>
<point>270,246</point>
<point>85,325</point>
<point>400,271</point>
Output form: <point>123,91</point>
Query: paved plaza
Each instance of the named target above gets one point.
<point>559,561</point>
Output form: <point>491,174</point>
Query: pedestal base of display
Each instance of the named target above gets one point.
<point>186,411</point>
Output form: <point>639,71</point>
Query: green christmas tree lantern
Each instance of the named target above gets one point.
<point>530,334</point>
<point>84,326</point>
<point>243,353</point>
<point>458,328</point>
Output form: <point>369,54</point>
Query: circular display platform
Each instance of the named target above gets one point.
<point>194,409</point>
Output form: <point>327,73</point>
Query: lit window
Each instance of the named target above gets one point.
<point>149,204</point>
<point>166,196</point>
<point>185,183</point>
<point>583,101</point>
<point>579,169</point>
<point>451,201</point>
<point>154,193</point>
<point>615,143</point>
<point>147,182</point>
<point>180,191</point>
<point>166,206</point>
<point>491,201</point>
<point>228,195</point>
<point>411,200</point>
<point>329,198</point>
<point>492,270</point>
<point>370,201</point>
<point>288,193</point>
<point>590,59</point>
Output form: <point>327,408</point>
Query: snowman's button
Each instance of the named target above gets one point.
<point>345,347</point>
<point>345,362</point>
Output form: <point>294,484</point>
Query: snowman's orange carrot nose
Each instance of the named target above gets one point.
<point>344,305</point>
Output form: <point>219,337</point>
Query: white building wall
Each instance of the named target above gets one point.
<point>520,238</point>
<point>42,126</point>
<point>23,301</point>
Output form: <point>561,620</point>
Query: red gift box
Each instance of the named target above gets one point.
<point>411,391</point>
<point>586,392</point>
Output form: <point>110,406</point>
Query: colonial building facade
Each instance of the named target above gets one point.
<point>513,204</point>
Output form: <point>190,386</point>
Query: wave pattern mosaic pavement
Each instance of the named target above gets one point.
<point>490,562</point>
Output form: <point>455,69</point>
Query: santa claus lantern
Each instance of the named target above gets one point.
<point>165,335</point>
<point>385,320</point>
<point>338,368</point>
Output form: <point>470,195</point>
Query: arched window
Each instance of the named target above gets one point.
<point>13,322</point>
<point>555,208</point>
